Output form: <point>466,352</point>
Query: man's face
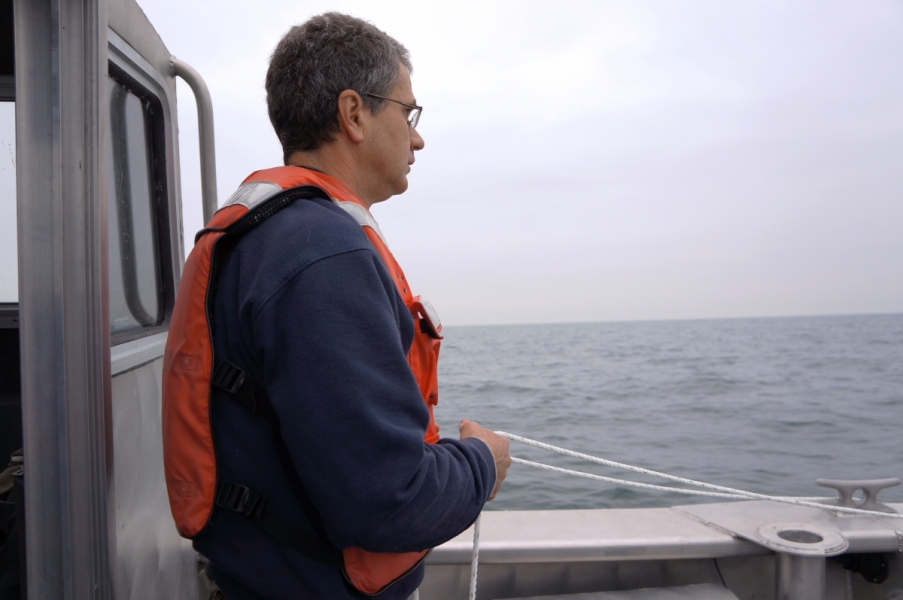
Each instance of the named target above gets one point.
<point>391,145</point>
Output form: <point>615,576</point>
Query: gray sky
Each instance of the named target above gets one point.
<point>590,161</point>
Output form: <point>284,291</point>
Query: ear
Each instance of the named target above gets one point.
<point>351,115</point>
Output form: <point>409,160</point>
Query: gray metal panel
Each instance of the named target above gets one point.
<point>705,591</point>
<point>753,578</point>
<point>61,195</point>
<point>127,19</point>
<point>748,576</point>
<point>451,582</point>
<point>152,561</point>
<point>800,577</point>
<point>591,535</point>
<point>745,519</point>
<point>137,353</point>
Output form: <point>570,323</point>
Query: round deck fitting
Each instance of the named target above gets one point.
<point>802,539</point>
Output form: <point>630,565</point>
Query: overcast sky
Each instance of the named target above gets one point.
<point>594,161</point>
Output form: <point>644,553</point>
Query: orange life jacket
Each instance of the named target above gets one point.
<point>190,371</point>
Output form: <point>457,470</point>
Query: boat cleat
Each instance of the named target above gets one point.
<point>847,488</point>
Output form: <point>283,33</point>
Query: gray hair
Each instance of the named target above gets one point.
<point>315,62</point>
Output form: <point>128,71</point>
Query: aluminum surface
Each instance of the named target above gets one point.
<point>799,577</point>
<point>205,132</point>
<point>748,577</point>
<point>61,200</point>
<point>591,535</point>
<point>870,489</point>
<point>136,353</point>
<point>530,553</point>
<point>745,519</point>
<point>151,561</point>
<point>802,539</point>
<point>499,580</point>
<point>706,591</point>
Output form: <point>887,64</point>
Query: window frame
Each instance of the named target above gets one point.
<point>127,68</point>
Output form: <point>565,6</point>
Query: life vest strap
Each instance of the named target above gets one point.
<point>233,380</point>
<point>242,499</point>
<point>238,498</point>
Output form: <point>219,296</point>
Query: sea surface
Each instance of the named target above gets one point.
<point>767,404</point>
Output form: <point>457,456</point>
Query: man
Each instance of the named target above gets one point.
<point>313,309</point>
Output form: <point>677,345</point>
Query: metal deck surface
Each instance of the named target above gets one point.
<point>592,535</point>
<point>688,592</point>
<point>747,519</point>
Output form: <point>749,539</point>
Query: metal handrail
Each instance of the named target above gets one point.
<point>178,68</point>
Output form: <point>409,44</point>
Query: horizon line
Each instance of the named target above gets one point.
<point>669,320</point>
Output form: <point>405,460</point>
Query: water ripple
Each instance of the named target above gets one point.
<point>763,404</point>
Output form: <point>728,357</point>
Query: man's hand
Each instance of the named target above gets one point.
<point>497,444</point>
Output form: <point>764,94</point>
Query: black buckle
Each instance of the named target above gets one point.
<point>240,499</point>
<point>228,377</point>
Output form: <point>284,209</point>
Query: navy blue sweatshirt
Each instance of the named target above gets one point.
<point>305,306</point>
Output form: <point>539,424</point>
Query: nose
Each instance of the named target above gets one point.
<point>417,142</point>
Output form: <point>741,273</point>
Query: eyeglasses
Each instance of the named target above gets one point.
<point>413,116</point>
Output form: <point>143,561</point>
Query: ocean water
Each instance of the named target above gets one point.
<point>767,405</point>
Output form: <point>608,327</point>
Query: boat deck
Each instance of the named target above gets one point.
<point>592,535</point>
<point>551,552</point>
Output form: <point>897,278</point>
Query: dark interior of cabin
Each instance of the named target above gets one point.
<point>6,38</point>
<point>10,398</point>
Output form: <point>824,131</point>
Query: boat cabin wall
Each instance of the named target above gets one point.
<point>150,559</point>
<point>99,259</point>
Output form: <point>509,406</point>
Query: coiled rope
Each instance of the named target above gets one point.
<point>709,489</point>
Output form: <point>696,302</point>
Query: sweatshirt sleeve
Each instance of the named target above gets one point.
<point>333,341</point>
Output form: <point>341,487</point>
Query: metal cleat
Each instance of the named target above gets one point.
<point>869,488</point>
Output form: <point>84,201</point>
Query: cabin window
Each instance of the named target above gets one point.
<point>137,183</point>
<point>9,283</point>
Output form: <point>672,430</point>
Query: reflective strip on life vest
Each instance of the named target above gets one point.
<point>253,193</point>
<point>362,216</point>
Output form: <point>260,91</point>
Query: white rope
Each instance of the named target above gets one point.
<point>649,486</point>
<point>722,491</point>
<point>475,559</point>
<point>716,491</point>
